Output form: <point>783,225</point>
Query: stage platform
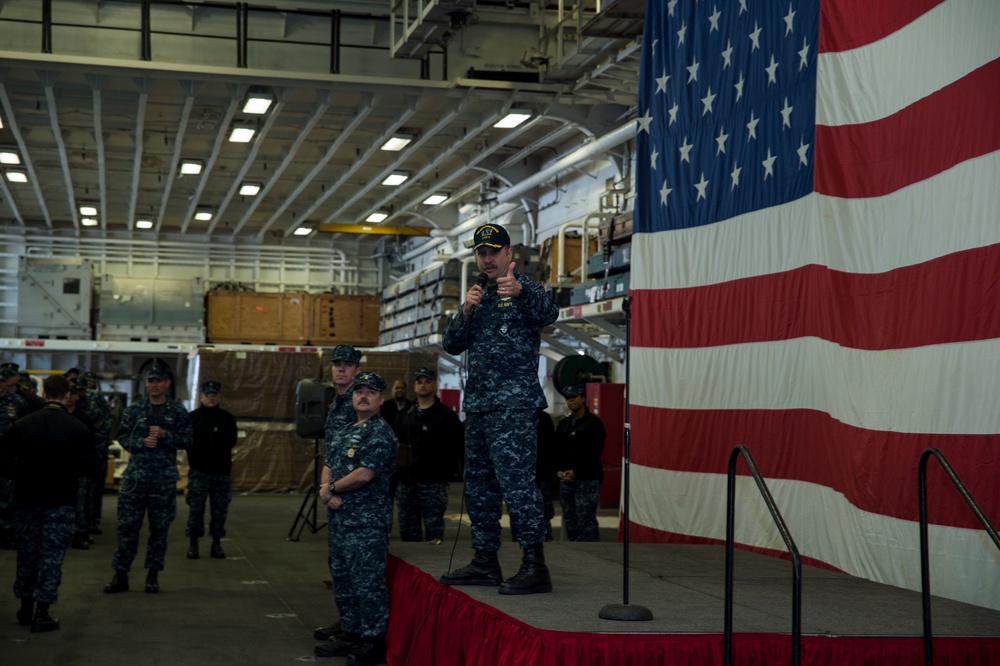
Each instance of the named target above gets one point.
<point>845,620</point>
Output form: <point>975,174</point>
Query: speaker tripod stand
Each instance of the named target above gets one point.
<point>308,512</point>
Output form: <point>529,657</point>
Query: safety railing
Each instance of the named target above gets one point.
<point>789,543</point>
<point>925,570</point>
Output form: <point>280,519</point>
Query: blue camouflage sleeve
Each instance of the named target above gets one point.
<point>538,306</point>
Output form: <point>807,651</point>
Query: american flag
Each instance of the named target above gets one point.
<point>816,275</point>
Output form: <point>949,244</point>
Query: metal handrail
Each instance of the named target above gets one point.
<point>925,570</point>
<point>789,543</point>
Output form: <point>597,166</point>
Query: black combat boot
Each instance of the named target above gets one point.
<point>42,620</point>
<point>193,549</point>
<point>341,647</point>
<point>26,612</point>
<point>370,654</point>
<point>217,549</point>
<point>326,633</point>
<point>118,584</point>
<point>80,541</point>
<point>533,576</point>
<point>483,570</point>
<point>152,581</point>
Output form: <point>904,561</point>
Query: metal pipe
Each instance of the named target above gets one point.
<point>584,247</point>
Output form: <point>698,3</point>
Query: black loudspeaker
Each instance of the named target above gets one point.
<point>312,400</point>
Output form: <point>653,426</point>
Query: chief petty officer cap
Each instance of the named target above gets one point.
<point>211,388</point>
<point>78,384</point>
<point>157,371</point>
<point>490,235</point>
<point>370,379</point>
<point>345,353</point>
<point>574,390</point>
<point>8,370</point>
<point>424,371</point>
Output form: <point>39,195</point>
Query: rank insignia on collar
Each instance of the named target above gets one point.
<point>350,453</point>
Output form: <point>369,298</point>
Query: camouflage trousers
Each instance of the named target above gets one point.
<point>135,500</point>
<point>500,451</point>
<point>418,503</point>
<point>84,504</point>
<point>357,562</point>
<point>43,535</point>
<point>97,490</point>
<point>203,487</point>
<point>579,501</point>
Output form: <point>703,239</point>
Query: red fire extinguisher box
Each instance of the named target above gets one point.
<point>607,401</point>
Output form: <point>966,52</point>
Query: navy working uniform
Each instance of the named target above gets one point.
<point>94,405</point>
<point>502,400</point>
<point>210,462</point>
<point>12,408</point>
<point>149,483</point>
<point>341,412</point>
<point>81,535</point>
<point>430,454</point>
<point>44,453</point>
<point>581,439</point>
<point>359,528</point>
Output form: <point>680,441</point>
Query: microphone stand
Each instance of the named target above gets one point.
<point>624,611</point>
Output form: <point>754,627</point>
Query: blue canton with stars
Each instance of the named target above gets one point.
<point>727,108</point>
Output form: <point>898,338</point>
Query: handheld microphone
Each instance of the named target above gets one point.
<point>482,280</point>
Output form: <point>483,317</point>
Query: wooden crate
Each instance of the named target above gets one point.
<point>344,320</point>
<point>236,317</point>
<point>549,260</point>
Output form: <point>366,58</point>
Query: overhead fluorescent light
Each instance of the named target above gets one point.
<point>242,134</point>
<point>435,199</point>
<point>17,177</point>
<point>143,224</point>
<point>258,103</point>
<point>249,189</point>
<point>397,142</point>
<point>397,178</point>
<point>88,222</point>
<point>7,157</point>
<point>191,167</point>
<point>375,218</point>
<point>89,211</point>
<point>303,231</point>
<point>204,216</point>
<point>514,118</point>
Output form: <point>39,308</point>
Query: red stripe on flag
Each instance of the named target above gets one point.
<point>848,24</point>
<point>950,299</point>
<point>957,123</point>
<point>876,471</point>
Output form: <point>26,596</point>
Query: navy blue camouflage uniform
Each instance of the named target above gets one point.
<point>359,530</point>
<point>12,408</point>
<point>502,399</point>
<point>44,453</point>
<point>98,411</point>
<point>581,444</point>
<point>149,484</point>
<point>211,461</point>
<point>430,455</point>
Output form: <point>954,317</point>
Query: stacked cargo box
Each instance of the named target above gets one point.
<point>608,273</point>
<point>421,304</point>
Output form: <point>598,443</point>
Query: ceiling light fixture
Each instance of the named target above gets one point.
<point>242,134</point>
<point>17,177</point>
<point>88,222</point>
<point>303,231</point>
<point>435,199</point>
<point>249,189</point>
<point>7,157</point>
<point>191,167</point>
<point>375,218</point>
<point>397,142</point>
<point>396,178</point>
<point>258,102</point>
<point>513,118</point>
<point>88,211</point>
<point>203,216</point>
<point>143,224</point>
